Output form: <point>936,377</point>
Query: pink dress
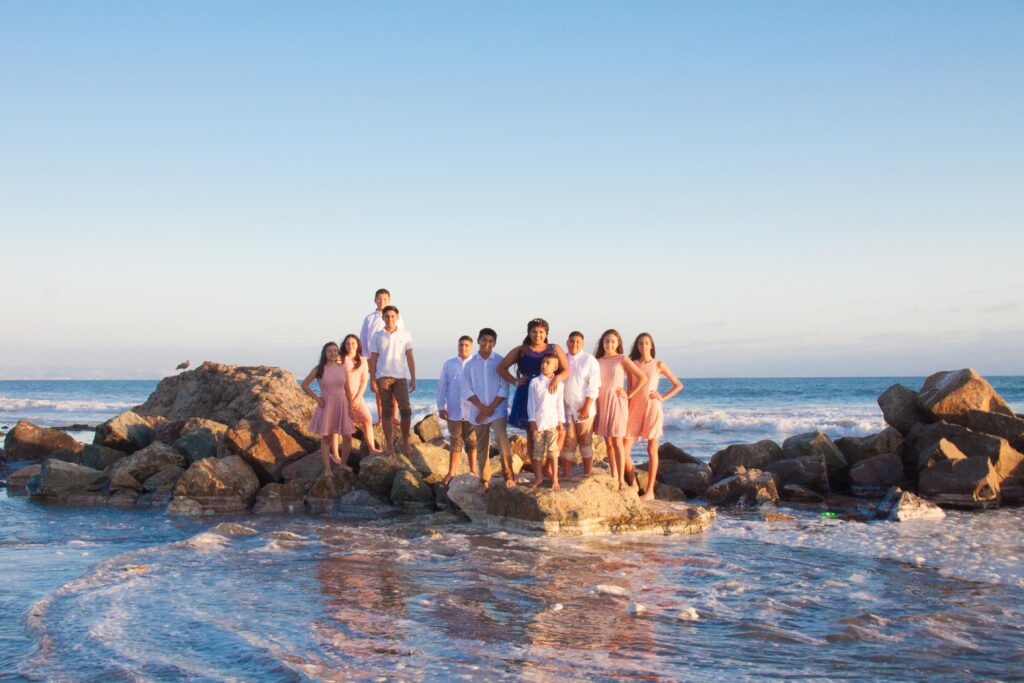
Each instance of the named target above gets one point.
<point>357,381</point>
<point>612,409</point>
<point>646,418</point>
<point>334,417</point>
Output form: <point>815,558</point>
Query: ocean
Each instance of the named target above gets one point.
<point>370,593</point>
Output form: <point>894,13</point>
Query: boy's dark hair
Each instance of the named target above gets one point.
<point>465,337</point>
<point>575,333</point>
<point>389,308</point>
<point>487,332</point>
<point>381,291</point>
<point>549,354</point>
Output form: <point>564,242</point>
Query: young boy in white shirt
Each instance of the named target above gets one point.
<point>581,390</point>
<point>372,324</point>
<point>545,411</point>
<point>390,358</point>
<point>451,409</point>
<point>487,395</point>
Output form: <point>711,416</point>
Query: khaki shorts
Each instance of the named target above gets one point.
<point>394,389</point>
<point>578,433</point>
<point>459,432</point>
<point>545,445</point>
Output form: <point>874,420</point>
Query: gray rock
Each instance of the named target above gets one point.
<point>808,471</point>
<point>164,480</point>
<point>800,494</point>
<point>99,457</point>
<point>815,442</point>
<point>144,463</point>
<point>18,480</point>
<point>662,491</point>
<point>122,481</point>
<point>60,480</point>
<point>27,441</point>
<point>305,471</point>
<point>123,498</point>
<point>197,444</point>
<point>875,476</point>
<point>126,432</point>
<point>903,506</point>
<point>377,474</point>
<point>964,482</point>
<point>670,452</point>
<point>411,493</point>
<point>899,408</point>
<point>217,485</point>
<point>745,489</point>
<point>693,479</point>
<point>429,429</point>
<point>280,499</point>
<point>1005,426</point>
<point>750,456</point>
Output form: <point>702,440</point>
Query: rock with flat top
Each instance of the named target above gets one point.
<point>27,441</point>
<point>377,473</point>
<point>164,480</point>
<point>60,480</point>
<point>951,395</point>
<point>591,505</point>
<point>1008,427</point>
<point>903,506</point>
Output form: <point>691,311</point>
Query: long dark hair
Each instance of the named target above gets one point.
<point>599,351</point>
<point>323,359</point>
<point>634,353</point>
<point>536,322</point>
<point>359,350</point>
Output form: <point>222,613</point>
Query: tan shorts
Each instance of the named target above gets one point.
<point>459,432</point>
<point>581,434</point>
<point>545,445</point>
<point>394,389</point>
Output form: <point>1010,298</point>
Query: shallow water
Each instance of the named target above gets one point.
<point>369,593</point>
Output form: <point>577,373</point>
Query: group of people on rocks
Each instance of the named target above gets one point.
<point>562,398</point>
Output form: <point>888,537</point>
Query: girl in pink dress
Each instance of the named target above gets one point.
<point>358,377</point>
<point>332,416</point>
<point>613,402</point>
<point>646,417</point>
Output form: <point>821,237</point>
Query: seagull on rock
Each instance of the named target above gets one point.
<point>182,366</point>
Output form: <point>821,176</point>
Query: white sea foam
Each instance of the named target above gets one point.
<point>846,421</point>
<point>14,404</point>
<point>231,529</point>
<point>608,589</point>
<point>207,541</point>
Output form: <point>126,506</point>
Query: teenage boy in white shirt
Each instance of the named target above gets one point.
<point>581,391</point>
<point>451,409</point>
<point>487,394</point>
<point>390,358</point>
<point>545,411</point>
<point>372,324</point>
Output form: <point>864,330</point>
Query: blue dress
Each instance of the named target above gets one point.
<point>528,367</point>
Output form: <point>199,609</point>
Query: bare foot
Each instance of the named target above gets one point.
<point>336,459</point>
<point>510,483</point>
<point>448,479</point>
<point>622,486</point>
<point>375,451</point>
<point>555,486</point>
<point>346,468</point>
<point>648,496</point>
<point>534,486</point>
<point>482,491</point>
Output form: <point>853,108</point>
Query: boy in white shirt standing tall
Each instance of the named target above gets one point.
<point>390,358</point>
<point>372,324</point>
<point>581,390</point>
<point>546,411</point>
<point>487,395</point>
<point>451,409</point>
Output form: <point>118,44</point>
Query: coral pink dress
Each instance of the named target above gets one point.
<point>334,417</point>
<point>612,409</point>
<point>646,418</point>
<point>357,381</point>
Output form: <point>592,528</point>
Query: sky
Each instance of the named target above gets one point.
<point>769,189</point>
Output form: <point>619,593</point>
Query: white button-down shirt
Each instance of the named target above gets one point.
<point>372,324</point>
<point>542,407</point>
<point>390,348</point>
<point>480,378</point>
<point>584,382</point>
<point>449,389</point>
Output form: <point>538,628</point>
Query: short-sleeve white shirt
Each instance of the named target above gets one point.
<point>390,349</point>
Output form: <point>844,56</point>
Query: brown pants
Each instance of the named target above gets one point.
<point>460,431</point>
<point>394,389</point>
<point>483,448</point>
<point>581,433</point>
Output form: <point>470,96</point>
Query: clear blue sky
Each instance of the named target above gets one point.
<point>784,188</point>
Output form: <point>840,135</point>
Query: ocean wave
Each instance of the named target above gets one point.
<point>785,422</point>
<point>10,404</point>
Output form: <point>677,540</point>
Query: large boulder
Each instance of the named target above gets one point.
<point>591,505</point>
<point>59,480</point>
<point>1010,427</point>
<point>856,449</point>
<point>813,443</point>
<point>410,492</point>
<point>808,471</point>
<point>693,479</point>
<point>751,456</point>
<point>304,471</point>
<point>951,395</point>
<point>198,444</point>
<point>900,409</point>
<point>126,432</point>
<point>669,451</point>
<point>662,491</point>
<point>746,488</point>
<point>903,506</point>
<point>943,449</point>
<point>164,480</point>
<point>326,491</point>
<point>875,476</point>
<point>429,459</point>
<point>429,429</point>
<point>377,474</point>
<point>143,464</point>
<point>265,446</point>
<point>27,441</point>
<point>280,499</point>
<point>99,457</point>
<point>216,485</point>
<point>962,482</point>
<point>229,393</point>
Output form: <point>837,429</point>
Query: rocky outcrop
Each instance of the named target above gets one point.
<point>591,505</point>
<point>693,479</point>
<point>903,506</point>
<point>951,395</point>
<point>962,482</point>
<point>143,464</point>
<point>750,456</point>
<point>746,488</point>
<point>216,485</point>
<point>59,480</point>
<point>265,446</point>
<point>899,408</point>
<point>27,441</point>
<point>875,476</point>
<point>808,471</point>
<point>429,429</point>
<point>126,432</point>
<point>280,499</point>
<point>229,393</point>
